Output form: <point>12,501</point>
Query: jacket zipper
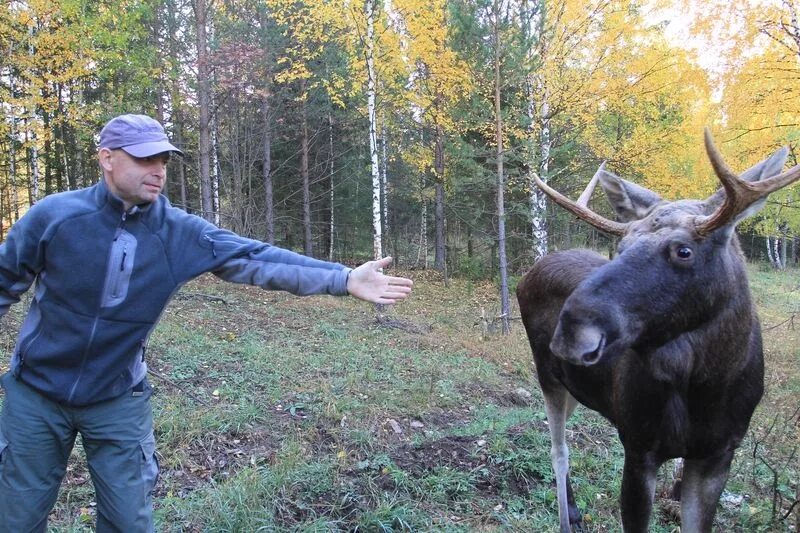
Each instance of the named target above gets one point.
<point>118,281</point>
<point>74,388</point>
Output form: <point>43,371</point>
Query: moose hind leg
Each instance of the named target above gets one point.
<point>703,481</point>
<point>559,405</point>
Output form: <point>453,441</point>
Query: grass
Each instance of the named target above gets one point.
<point>276,413</point>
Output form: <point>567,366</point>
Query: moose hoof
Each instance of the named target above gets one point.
<point>575,518</point>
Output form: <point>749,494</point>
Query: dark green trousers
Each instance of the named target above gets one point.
<point>36,438</point>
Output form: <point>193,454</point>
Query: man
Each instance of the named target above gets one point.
<point>106,261</point>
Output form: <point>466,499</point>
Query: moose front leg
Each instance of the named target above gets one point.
<point>638,491</point>
<point>559,405</point>
<point>703,481</point>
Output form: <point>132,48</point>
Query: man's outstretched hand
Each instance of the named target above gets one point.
<point>368,283</point>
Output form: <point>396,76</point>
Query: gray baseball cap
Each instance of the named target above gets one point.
<point>139,135</point>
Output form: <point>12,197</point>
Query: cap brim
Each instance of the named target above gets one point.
<point>150,149</point>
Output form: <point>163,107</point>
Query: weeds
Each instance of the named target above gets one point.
<point>286,414</point>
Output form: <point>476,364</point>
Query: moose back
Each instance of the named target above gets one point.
<point>662,340</point>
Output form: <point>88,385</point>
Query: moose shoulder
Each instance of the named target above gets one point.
<point>662,340</point>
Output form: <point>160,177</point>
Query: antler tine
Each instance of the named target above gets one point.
<point>581,211</point>
<point>587,193</point>
<point>721,169</point>
<point>739,194</point>
<point>770,185</point>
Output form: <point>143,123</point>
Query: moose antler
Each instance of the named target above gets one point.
<point>739,194</point>
<point>580,209</point>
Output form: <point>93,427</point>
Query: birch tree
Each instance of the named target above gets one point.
<point>532,15</point>
<point>370,8</point>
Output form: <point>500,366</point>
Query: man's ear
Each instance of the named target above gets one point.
<point>104,158</point>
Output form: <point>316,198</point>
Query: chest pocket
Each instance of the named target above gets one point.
<point>119,269</point>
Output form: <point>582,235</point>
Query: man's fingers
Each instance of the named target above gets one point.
<point>394,294</point>
<point>383,263</point>
<point>388,301</point>
<point>405,287</point>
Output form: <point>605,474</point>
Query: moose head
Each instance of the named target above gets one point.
<point>675,260</point>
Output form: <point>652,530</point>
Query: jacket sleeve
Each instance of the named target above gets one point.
<point>257,263</point>
<point>21,257</point>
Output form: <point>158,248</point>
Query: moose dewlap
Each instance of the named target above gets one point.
<point>662,340</point>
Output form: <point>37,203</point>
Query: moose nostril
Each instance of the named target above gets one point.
<point>590,358</point>
<point>593,356</point>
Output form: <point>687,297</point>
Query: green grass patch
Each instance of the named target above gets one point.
<point>276,413</point>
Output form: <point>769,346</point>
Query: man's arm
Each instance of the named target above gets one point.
<point>368,282</point>
<point>21,258</point>
<point>241,260</point>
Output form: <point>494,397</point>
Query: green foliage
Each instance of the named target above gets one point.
<point>581,82</point>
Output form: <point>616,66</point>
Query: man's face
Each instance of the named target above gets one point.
<point>134,180</point>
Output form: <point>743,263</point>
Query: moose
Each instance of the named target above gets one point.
<point>662,340</point>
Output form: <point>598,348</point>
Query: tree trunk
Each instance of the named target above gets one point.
<point>34,151</point>
<point>33,157</point>
<point>538,114</point>
<point>50,161</point>
<point>215,170</point>
<point>332,220</point>
<point>307,246</point>
<point>438,168</point>
<point>12,167</point>
<point>235,193</point>
<point>501,215</point>
<point>269,216</point>
<point>540,237</point>
<point>377,241</point>
<point>385,187</point>
<point>203,101</point>
<point>422,252</point>
<point>770,257</point>
<point>181,167</point>
<point>784,251</point>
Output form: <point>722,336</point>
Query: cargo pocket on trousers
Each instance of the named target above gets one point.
<point>149,463</point>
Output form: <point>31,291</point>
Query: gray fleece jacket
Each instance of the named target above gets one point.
<point>104,276</point>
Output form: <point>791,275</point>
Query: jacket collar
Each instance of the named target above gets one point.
<point>104,196</point>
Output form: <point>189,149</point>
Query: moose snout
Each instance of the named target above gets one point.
<point>584,348</point>
<point>581,340</point>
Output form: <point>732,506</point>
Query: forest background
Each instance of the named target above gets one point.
<point>349,130</point>
<point>409,127</point>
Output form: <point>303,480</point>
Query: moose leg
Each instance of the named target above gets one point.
<point>559,404</point>
<point>703,481</point>
<point>638,491</point>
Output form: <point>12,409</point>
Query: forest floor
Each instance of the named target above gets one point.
<point>278,413</point>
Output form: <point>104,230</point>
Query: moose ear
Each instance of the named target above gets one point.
<point>769,167</point>
<point>630,201</point>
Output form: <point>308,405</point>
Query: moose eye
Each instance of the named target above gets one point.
<point>681,254</point>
